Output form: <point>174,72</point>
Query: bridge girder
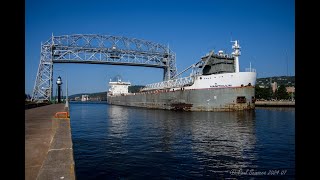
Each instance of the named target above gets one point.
<point>98,49</point>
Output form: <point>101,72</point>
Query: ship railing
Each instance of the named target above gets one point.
<point>250,70</point>
<point>173,83</point>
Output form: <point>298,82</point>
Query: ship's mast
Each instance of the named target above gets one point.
<point>236,53</point>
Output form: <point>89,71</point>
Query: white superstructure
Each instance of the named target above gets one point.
<point>118,87</point>
<point>225,73</point>
<point>226,80</point>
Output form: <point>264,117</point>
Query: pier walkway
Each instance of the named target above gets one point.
<point>48,144</point>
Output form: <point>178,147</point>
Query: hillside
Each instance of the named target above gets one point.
<point>287,81</point>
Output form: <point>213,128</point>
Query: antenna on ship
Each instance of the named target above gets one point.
<point>236,53</point>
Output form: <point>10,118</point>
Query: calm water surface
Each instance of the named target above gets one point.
<point>117,142</point>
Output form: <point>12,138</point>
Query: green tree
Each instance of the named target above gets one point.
<point>282,93</point>
<point>258,92</point>
<point>262,93</point>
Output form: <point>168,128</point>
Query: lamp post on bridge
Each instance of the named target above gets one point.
<point>67,100</point>
<point>59,82</point>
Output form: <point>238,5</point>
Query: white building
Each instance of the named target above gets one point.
<point>274,86</point>
<point>85,97</point>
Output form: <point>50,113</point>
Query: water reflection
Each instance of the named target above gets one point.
<point>225,139</point>
<point>118,121</point>
<point>216,141</point>
<point>118,142</point>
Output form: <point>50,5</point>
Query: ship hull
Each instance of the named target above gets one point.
<point>211,99</point>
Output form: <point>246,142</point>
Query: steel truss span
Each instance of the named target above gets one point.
<point>99,49</point>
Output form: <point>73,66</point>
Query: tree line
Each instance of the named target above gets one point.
<point>267,93</point>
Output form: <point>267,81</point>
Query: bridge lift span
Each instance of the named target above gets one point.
<point>98,49</point>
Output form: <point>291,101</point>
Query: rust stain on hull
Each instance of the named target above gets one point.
<point>181,106</point>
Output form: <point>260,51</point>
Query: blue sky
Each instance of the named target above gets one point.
<point>265,29</point>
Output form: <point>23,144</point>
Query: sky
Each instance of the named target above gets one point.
<point>191,28</point>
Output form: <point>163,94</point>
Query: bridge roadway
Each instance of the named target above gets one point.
<point>48,144</point>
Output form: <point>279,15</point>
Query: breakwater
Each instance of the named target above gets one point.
<point>275,103</point>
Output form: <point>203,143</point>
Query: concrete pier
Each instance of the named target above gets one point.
<point>48,144</point>
<point>275,103</point>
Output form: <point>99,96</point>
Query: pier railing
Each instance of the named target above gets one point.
<point>250,70</point>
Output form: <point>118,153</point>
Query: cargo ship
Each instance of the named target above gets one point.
<point>214,84</point>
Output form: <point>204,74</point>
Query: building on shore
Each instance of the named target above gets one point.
<point>85,97</point>
<point>274,86</point>
<point>290,89</point>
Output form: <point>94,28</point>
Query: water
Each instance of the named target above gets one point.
<point>116,142</point>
